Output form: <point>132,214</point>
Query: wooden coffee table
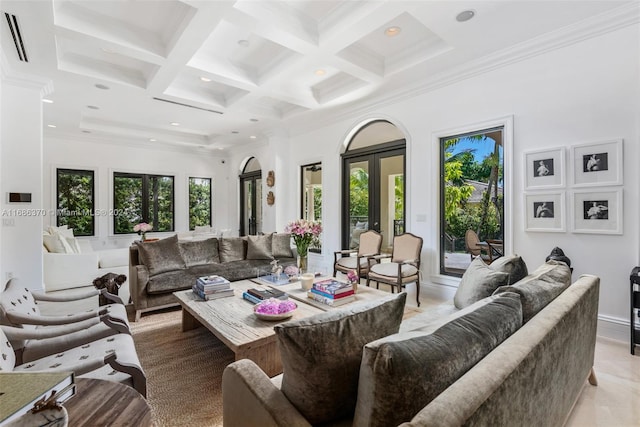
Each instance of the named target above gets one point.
<point>232,321</point>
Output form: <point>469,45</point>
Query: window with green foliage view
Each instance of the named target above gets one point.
<point>143,198</point>
<point>199,202</point>
<point>472,174</point>
<point>75,200</point>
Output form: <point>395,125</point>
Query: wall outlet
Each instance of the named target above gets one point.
<point>8,222</point>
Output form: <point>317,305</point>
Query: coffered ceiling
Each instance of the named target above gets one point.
<point>216,74</point>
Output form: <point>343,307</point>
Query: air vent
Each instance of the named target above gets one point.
<point>187,105</point>
<point>12,21</point>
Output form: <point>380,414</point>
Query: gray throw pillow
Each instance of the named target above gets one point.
<point>402,373</point>
<point>259,247</point>
<point>161,256</point>
<point>232,249</point>
<point>478,282</point>
<point>540,287</point>
<point>514,265</point>
<point>199,252</point>
<point>321,355</point>
<point>281,245</point>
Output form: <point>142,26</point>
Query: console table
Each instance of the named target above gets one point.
<point>107,403</point>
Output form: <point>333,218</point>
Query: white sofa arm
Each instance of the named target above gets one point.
<point>66,271</point>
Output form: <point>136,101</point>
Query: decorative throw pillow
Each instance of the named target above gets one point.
<point>259,247</point>
<point>402,373</point>
<point>321,355</point>
<point>232,249</point>
<point>281,245</point>
<point>540,287</point>
<point>161,256</point>
<point>514,265</point>
<point>479,281</point>
<point>199,252</point>
<point>57,244</point>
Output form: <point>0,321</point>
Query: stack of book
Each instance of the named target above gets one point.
<point>212,287</point>
<point>257,295</point>
<point>332,292</point>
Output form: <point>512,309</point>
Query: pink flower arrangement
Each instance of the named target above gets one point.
<point>142,229</point>
<point>275,306</point>
<point>291,270</point>
<point>303,233</point>
<point>352,276</point>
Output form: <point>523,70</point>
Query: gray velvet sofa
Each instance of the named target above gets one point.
<point>157,269</point>
<point>519,357</point>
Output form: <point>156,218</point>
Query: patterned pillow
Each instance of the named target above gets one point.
<point>321,355</point>
<point>161,256</point>
<point>478,282</point>
<point>402,373</point>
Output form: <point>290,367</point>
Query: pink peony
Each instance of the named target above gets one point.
<point>275,306</point>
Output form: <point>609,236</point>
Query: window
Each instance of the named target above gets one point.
<point>75,200</point>
<point>199,202</point>
<point>142,198</point>
<point>311,197</point>
<point>472,196</point>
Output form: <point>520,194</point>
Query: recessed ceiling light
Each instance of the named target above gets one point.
<point>253,120</point>
<point>47,101</point>
<point>235,132</point>
<point>52,126</point>
<point>320,72</point>
<point>152,139</point>
<point>86,131</point>
<point>392,31</point>
<point>465,15</point>
<point>93,107</point>
<point>101,86</point>
<point>244,43</point>
<point>175,124</point>
<point>253,137</point>
<point>205,79</point>
<point>107,50</point>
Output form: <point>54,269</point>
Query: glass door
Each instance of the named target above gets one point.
<point>251,199</point>
<point>374,192</point>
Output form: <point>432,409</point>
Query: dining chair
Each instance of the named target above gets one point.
<point>404,267</point>
<point>370,244</point>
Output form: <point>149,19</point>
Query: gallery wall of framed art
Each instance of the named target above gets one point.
<point>595,192</point>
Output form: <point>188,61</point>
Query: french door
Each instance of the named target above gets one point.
<point>373,193</point>
<point>251,203</point>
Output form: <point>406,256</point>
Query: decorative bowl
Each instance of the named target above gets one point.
<point>274,309</point>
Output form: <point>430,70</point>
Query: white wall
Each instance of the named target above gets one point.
<point>21,171</point>
<point>585,92</point>
<point>105,158</point>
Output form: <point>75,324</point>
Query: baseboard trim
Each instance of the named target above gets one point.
<point>613,328</point>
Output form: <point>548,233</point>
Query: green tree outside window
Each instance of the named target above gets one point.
<point>75,200</point>
<point>199,202</point>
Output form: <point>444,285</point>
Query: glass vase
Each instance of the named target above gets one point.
<point>302,263</point>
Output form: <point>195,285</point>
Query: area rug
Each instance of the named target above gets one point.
<point>183,369</point>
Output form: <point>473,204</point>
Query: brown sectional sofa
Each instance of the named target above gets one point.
<point>157,269</point>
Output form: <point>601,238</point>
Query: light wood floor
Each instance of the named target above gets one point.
<point>616,399</point>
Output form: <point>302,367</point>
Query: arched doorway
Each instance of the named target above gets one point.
<point>374,183</point>
<point>251,198</point>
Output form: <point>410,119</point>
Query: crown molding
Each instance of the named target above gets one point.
<point>596,26</point>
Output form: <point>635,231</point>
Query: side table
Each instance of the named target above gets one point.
<point>107,403</point>
<point>634,279</point>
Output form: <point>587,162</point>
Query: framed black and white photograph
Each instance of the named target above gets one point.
<point>544,169</point>
<point>597,212</point>
<point>597,164</point>
<point>545,212</point>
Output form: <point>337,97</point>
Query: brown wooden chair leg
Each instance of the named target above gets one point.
<point>418,291</point>
<point>593,380</point>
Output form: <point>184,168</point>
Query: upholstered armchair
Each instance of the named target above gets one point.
<point>113,358</point>
<point>18,308</point>
<point>343,261</point>
<point>404,266</point>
